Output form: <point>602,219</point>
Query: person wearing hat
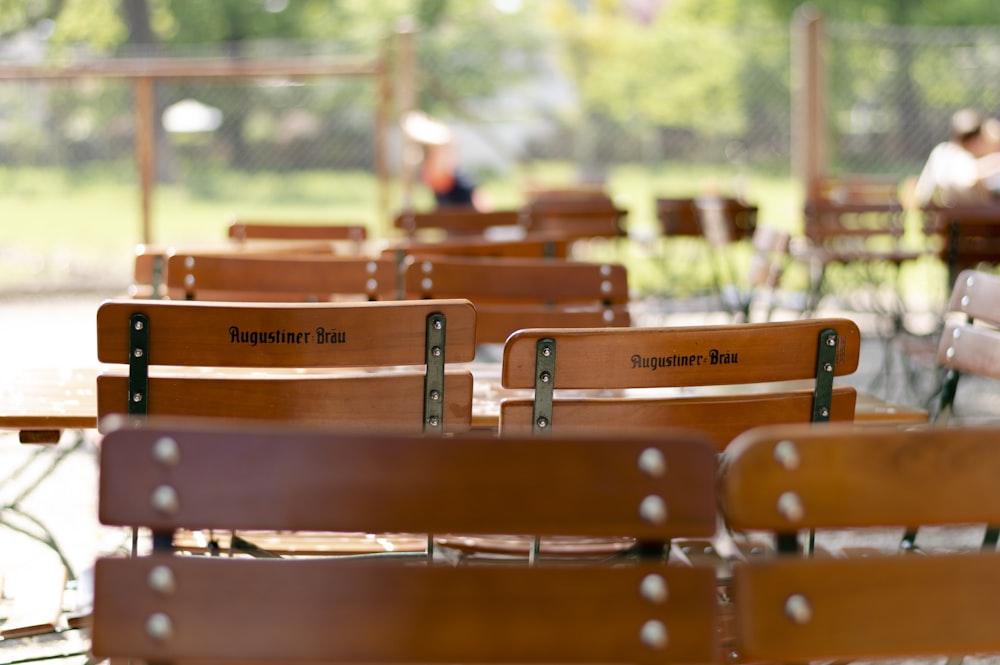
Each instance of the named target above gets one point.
<point>439,170</point>
<point>966,168</point>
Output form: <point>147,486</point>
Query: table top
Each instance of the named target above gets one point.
<point>49,399</point>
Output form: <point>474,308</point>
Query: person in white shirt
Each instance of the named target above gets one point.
<point>965,169</point>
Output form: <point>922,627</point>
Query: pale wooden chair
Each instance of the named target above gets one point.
<point>279,277</point>
<point>719,379</point>
<point>370,366</point>
<point>884,605</point>
<point>164,608</point>
<point>514,293</point>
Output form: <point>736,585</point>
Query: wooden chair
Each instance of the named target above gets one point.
<point>858,223</point>
<point>164,608</point>
<point>316,363</point>
<point>457,222</point>
<point>527,247</point>
<point>513,293</point>
<point>284,277</point>
<point>600,378</point>
<point>967,236</point>
<point>885,605</point>
<point>576,218</point>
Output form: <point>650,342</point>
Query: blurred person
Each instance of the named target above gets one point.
<point>965,169</point>
<point>439,170</point>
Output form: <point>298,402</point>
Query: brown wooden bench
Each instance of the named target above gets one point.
<point>285,277</point>
<point>527,247</point>
<point>884,605</point>
<point>514,293</point>
<point>165,608</point>
<point>243,230</point>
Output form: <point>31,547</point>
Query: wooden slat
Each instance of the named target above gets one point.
<point>279,277</point>
<point>355,400</point>
<point>722,418</point>
<point>869,608</point>
<point>338,611</point>
<point>240,335</point>
<point>682,356</point>
<point>314,480</point>
<point>38,600</point>
<point>276,230</point>
<point>971,349</point>
<point>862,477</point>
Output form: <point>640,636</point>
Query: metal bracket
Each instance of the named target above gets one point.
<point>157,279</point>
<point>826,360</point>
<point>545,378</point>
<point>138,365</point>
<point>434,378</point>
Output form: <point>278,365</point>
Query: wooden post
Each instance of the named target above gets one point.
<point>809,135</point>
<point>145,149</point>
<point>407,99</point>
<point>382,115</point>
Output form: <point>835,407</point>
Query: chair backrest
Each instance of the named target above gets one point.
<point>456,221</point>
<point>576,218</point>
<point>370,365</point>
<point>282,277</point>
<point>514,293</point>
<point>791,608</point>
<point>244,230</point>
<point>967,235</point>
<point>163,608</point>
<point>850,209</point>
<point>527,247</point>
<point>970,340</point>
<point>591,378</point>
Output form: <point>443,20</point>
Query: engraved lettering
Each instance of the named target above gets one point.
<point>255,337</point>
<point>656,362</point>
<point>332,336</point>
<point>717,357</point>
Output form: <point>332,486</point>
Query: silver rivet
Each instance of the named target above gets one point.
<point>138,325</point>
<point>790,506</point>
<point>136,397</point>
<point>950,353</point>
<point>435,395</point>
<point>427,266</point>
<point>825,412</point>
<point>546,351</point>
<point>437,324</point>
<point>653,509</point>
<point>956,333</point>
<point>159,626</point>
<point>654,589</point>
<point>608,315</point>
<point>427,283</point>
<point>827,367</point>
<point>137,352</point>
<point>166,451</point>
<point>542,422</point>
<point>652,462</point>
<point>161,580</point>
<point>605,269</point>
<point>371,267</point>
<point>605,287</point>
<point>653,634</point>
<point>545,377</point>
<point>965,301</point>
<point>787,455</point>
<point>436,351</point>
<point>371,284</point>
<point>970,280</point>
<point>433,421</point>
<point>797,609</point>
<point>189,262</point>
<point>831,341</point>
<point>188,280</point>
<point>165,500</point>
